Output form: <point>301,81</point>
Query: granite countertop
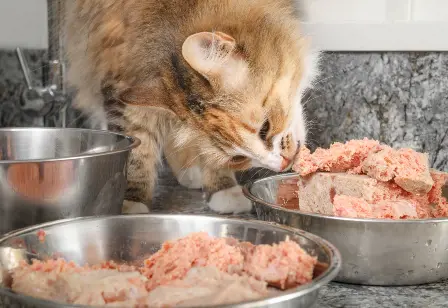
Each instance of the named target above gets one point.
<point>172,198</point>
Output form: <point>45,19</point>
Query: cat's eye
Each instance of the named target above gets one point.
<point>264,130</point>
<point>238,158</point>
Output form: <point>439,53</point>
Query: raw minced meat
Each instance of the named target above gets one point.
<point>366,179</point>
<point>346,206</point>
<point>206,286</point>
<point>406,167</point>
<point>282,265</point>
<point>81,286</point>
<point>176,258</point>
<point>339,157</point>
<point>197,270</point>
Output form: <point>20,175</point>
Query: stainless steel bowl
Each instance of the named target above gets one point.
<point>132,238</point>
<point>374,251</point>
<point>51,173</point>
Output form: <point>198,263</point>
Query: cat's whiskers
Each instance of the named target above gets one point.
<point>180,149</point>
<point>316,82</point>
<point>311,124</point>
<point>189,162</point>
<point>88,118</point>
<point>210,159</point>
<point>182,138</point>
<point>311,140</point>
<point>245,171</point>
<point>265,173</point>
<point>253,175</point>
<point>211,156</point>
<point>207,162</point>
<point>310,99</point>
<point>204,153</point>
<point>319,81</point>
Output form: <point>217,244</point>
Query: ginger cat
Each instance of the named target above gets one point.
<point>214,85</point>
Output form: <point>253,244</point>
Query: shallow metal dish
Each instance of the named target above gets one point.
<point>132,238</point>
<point>54,173</point>
<point>374,251</point>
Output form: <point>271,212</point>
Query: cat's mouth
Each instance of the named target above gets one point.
<point>239,162</point>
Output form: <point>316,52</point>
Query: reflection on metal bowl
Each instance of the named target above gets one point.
<point>374,251</point>
<point>51,173</point>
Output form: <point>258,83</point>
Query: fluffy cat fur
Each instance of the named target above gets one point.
<point>214,85</point>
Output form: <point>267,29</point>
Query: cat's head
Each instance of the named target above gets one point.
<point>241,103</point>
<point>233,72</point>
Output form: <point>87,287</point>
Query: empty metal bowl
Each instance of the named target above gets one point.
<point>52,173</point>
<point>374,251</point>
<point>133,238</point>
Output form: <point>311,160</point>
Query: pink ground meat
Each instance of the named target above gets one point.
<point>176,258</point>
<point>338,158</point>
<point>282,265</point>
<point>406,167</point>
<point>197,270</point>
<point>66,282</point>
<point>346,206</point>
<point>207,286</point>
<point>352,207</point>
<point>365,179</point>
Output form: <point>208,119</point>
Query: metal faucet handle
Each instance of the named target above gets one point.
<point>25,68</point>
<point>34,98</point>
<point>45,101</point>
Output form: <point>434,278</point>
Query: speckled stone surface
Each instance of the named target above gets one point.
<point>337,295</point>
<point>398,98</point>
<point>12,85</point>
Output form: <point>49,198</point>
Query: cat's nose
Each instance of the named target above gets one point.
<point>285,163</point>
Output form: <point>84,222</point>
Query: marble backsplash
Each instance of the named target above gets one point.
<point>398,98</point>
<point>12,85</point>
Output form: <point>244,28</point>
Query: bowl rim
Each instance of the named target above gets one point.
<point>133,143</point>
<point>329,274</point>
<point>284,176</point>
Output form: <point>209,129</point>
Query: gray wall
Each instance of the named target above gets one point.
<point>397,98</point>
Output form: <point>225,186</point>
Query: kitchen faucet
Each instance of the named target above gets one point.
<point>52,97</point>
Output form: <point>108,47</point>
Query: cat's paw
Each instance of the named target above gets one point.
<point>231,200</point>
<point>191,178</point>
<point>131,207</point>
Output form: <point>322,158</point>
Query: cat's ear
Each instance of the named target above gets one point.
<point>214,55</point>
